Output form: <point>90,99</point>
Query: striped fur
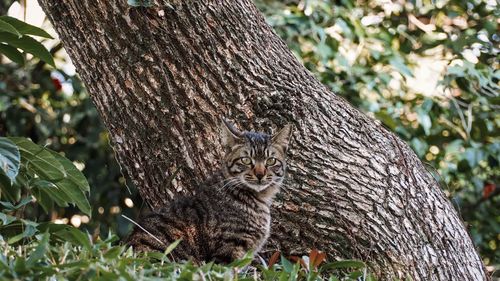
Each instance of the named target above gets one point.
<point>230,213</point>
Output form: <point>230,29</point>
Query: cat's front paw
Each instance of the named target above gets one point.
<point>229,254</point>
<point>238,253</point>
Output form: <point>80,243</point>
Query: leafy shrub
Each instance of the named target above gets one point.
<point>79,258</point>
<point>29,170</point>
<point>51,107</point>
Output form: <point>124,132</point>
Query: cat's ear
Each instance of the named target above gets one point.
<point>230,135</point>
<point>282,138</point>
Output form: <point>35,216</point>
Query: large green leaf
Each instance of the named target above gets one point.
<point>44,199</point>
<point>28,45</point>
<point>25,28</point>
<point>39,159</point>
<point>12,53</point>
<point>77,196</point>
<point>54,168</point>
<point>10,158</point>
<point>9,191</point>
<point>73,174</point>
<point>7,27</point>
<point>74,185</point>
<point>53,192</point>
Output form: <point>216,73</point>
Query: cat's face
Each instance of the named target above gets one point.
<point>256,160</point>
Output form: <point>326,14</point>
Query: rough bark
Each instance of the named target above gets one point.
<point>162,77</point>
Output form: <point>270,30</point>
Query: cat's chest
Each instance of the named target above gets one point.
<point>260,222</point>
<point>255,217</point>
<point>265,232</point>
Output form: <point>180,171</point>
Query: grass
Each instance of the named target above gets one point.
<point>62,252</point>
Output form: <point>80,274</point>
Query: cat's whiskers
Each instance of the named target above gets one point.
<point>220,182</point>
<point>231,181</point>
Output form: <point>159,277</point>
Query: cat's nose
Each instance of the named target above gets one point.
<point>259,171</point>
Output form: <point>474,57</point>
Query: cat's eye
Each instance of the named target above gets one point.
<point>270,161</point>
<point>246,160</point>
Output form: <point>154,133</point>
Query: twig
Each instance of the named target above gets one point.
<point>149,233</point>
<point>462,117</point>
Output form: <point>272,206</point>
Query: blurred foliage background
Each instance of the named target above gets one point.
<point>428,70</point>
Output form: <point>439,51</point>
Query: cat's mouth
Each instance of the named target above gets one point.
<point>258,187</point>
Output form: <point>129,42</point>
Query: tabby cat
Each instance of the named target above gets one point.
<point>229,214</point>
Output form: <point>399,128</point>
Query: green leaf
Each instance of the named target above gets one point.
<point>76,195</point>
<point>43,199</point>
<point>75,235</point>
<point>66,233</point>
<point>399,64</point>
<point>425,121</point>
<point>10,158</point>
<point>387,119</point>
<point>427,105</point>
<point>20,264</point>
<point>40,251</point>
<point>113,253</point>
<point>54,168</point>
<point>74,185</point>
<point>73,174</point>
<point>7,27</point>
<point>287,265</point>
<point>244,261</point>
<point>29,231</point>
<point>25,28</point>
<point>355,275</point>
<point>157,255</point>
<point>419,146</point>
<point>473,156</point>
<point>12,53</point>
<point>172,246</point>
<point>53,191</point>
<point>28,45</point>
<point>6,219</point>
<point>343,264</point>
<point>10,207</point>
<point>23,203</point>
<point>9,191</point>
<point>39,159</point>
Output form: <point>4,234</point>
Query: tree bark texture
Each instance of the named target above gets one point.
<point>162,77</point>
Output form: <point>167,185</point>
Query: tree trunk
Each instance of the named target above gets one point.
<point>162,77</point>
